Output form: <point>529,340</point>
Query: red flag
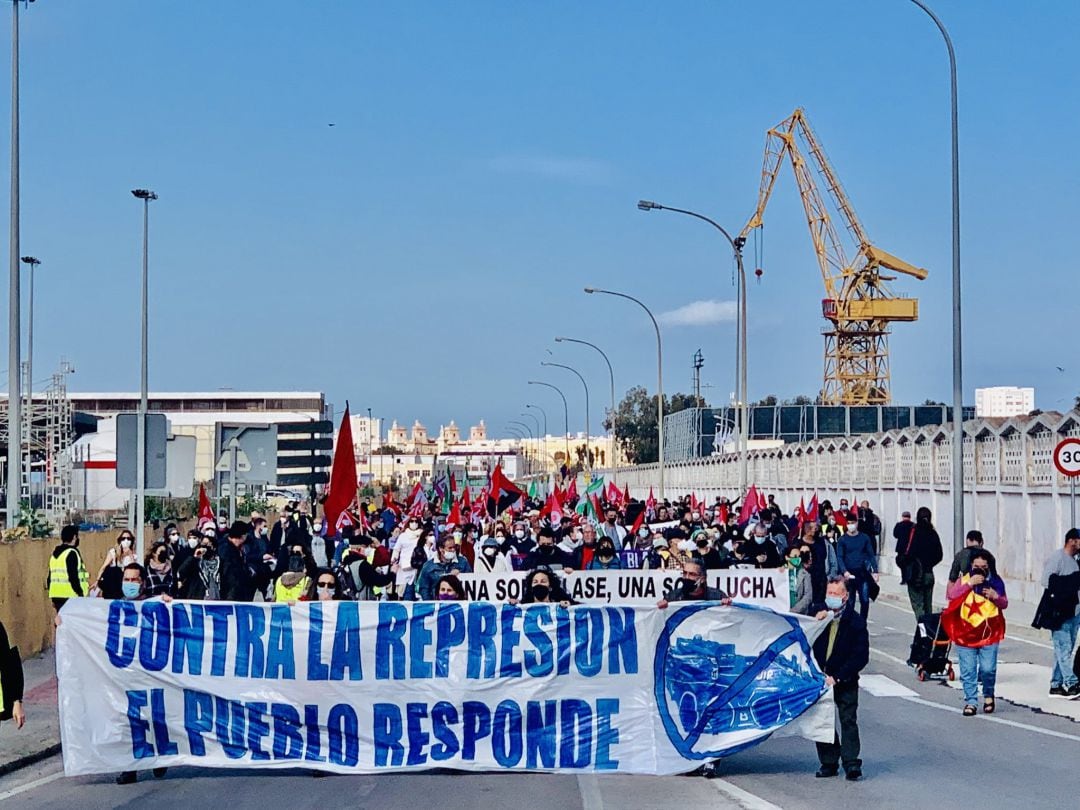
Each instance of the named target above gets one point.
<point>722,514</point>
<point>343,484</point>
<point>626,493</point>
<point>346,518</point>
<point>552,509</point>
<point>749,505</point>
<point>972,620</point>
<point>650,502</point>
<point>455,514</point>
<point>503,493</point>
<point>571,490</point>
<point>365,524</point>
<point>597,507</point>
<point>388,503</point>
<point>613,494</point>
<point>206,511</point>
<point>414,493</point>
<point>638,523</point>
<point>761,501</point>
<point>812,509</point>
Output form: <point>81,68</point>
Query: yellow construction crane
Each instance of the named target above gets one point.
<point>858,304</point>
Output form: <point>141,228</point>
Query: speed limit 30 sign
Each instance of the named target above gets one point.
<point>1067,457</point>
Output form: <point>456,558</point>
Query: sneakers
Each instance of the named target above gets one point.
<point>126,778</point>
<point>824,772</point>
<point>1057,691</point>
<point>854,775</point>
<point>1073,691</point>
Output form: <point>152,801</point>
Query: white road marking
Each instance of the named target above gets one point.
<point>884,686</point>
<point>589,787</point>
<point>883,603</point>
<point>954,710</point>
<point>744,798</point>
<point>44,780</point>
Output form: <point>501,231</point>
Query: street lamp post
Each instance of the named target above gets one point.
<point>370,465</point>
<point>536,449</point>
<point>957,334</point>
<point>544,413</point>
<point>520,436</point>
<point>588,456</point>
<point>14,448</point>
<point>741,400</point>
<point>611,377</point>
<point>32,262</point>
<point>566,416</point>
<point>140,441</point>
<point>659,375</point>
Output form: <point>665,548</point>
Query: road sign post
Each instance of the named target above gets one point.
<point>1067,461</point>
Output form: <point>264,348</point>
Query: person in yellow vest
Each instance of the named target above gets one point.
<point>67,573</point>
<point>294,585</point>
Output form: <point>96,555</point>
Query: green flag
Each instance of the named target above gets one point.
<point>532,490</point>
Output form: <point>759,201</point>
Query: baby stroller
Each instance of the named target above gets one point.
<point>930,650</point>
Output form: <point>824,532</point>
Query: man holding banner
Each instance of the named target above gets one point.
<point>693,587</point>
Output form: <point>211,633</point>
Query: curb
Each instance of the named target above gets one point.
<point>29,759</point>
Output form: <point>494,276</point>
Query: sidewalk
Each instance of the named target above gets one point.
<point>40,737</point>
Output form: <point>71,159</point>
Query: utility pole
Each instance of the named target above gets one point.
<point>140,443</point>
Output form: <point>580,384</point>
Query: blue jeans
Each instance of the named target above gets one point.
<point>977,665</point>
<point>1064,639</point>
<point>861,588</point>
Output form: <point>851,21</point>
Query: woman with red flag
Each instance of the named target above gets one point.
<point>975,622</point>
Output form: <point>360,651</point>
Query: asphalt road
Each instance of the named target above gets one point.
<point>918,752</point>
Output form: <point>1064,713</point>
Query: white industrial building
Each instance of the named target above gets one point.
<point>193,416</point>
<point>1004,401</point>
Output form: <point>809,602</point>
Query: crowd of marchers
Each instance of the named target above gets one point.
<point>391,551</point>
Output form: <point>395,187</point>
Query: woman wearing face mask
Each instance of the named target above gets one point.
<point>111,573</point>
<point>605,559</point>
<point>705,550</point>
<point>326,588</point>
<point>450,589</point>
<point>800,589</point>
<point>159,571</point>
<point>490,560</point>
<point>975,621</point>
<point>199,576</point>
<point>401,559</point>
<point>294,584</point>
<point>643,539</point>
<point>544,587</point>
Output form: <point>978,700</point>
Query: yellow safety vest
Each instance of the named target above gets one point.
<point>293,594</point>
<point>59,582</point>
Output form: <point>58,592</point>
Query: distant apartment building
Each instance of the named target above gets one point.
<point>1004,400</point>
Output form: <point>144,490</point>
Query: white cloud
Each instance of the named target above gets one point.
<point>700,313</point>
<point>582,170</point>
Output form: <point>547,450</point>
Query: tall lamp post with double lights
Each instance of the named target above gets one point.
<point>659,375</point>
<point>737,244</point>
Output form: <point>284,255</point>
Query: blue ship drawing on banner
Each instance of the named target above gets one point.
<point>698,671</point>
<point>706,688</point>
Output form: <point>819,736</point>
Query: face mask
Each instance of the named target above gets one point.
<point>325,593</point>
<point>221,525</point>
<point>690,585</point>
<point>643,532</point>
<point>209,535</point>
<point>262,532</point>
<point>834,602</point>
<point>795,562</point>
<point>490,551</point>
<point>192,542</point>
<point>125,544</point>
<point>547,549</point>
<point>760,538</point>
<point>450,556</point>
<point>457,535</point>
<point>174,538</point>
<point>447,596</point>
<point>130,589</point>
<point>540,592</point>
<point>296,562</point>
<point>702,544</point>
<point>519,534</point>
<point>696,516</point>
<point>578,536</point>
<point>607,552</point>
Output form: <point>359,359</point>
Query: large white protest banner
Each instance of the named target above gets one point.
<point>366,687</point>
<point>764,588</point>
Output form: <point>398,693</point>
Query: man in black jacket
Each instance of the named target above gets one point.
<point>238,577</point>
<point>841,652</point>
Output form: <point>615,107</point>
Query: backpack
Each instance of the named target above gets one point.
<point>419,557</point>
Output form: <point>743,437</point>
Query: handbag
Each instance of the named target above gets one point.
<point>910,567</point>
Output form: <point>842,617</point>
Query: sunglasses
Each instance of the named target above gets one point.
<point>326,584</point>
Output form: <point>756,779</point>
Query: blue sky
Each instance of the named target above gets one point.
<point>419,256</point>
